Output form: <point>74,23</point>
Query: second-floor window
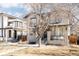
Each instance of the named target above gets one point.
<point>10,23</point>
<point>18,24</point>
<point>15,24</point>
<point>55,21</point>
<point>33,21</point>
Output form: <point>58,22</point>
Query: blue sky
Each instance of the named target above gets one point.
<point>17,10</point>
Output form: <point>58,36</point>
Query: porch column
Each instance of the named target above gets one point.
<point>68,30</point>
<point>6,35</point>
<point>12,33</point>
<point>48,36</point>
<point>66,36</point>
<point>28,29</point>
<point>57,30</point>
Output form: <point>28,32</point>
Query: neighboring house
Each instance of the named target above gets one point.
<point>59,29</point>
<point>31,22</point>
<point>11,27</point>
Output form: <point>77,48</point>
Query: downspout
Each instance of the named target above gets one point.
<point>2,26</point>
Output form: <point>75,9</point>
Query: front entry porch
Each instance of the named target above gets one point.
<point>57,35</point>
<point>15,35</point>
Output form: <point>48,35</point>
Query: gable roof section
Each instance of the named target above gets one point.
<point>10,16</point>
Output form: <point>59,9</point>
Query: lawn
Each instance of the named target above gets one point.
<point>47,51</point>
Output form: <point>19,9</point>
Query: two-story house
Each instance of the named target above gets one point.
<point>59,29</point>
<point>11,27</point>
<point>31,21</point>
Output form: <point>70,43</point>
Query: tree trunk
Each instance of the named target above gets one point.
<point>39,42</point>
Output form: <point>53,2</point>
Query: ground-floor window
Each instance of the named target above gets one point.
<point>58,31</point>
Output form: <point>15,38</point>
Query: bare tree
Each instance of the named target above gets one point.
<point>69,11</point>
<point>42,14</point>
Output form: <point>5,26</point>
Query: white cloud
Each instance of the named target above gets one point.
<point>18,14</point>
<point>7,5</point>
<point>1,11</point>
<point>9,13</point>
<point>4,9</point>
<point>27,7</point>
